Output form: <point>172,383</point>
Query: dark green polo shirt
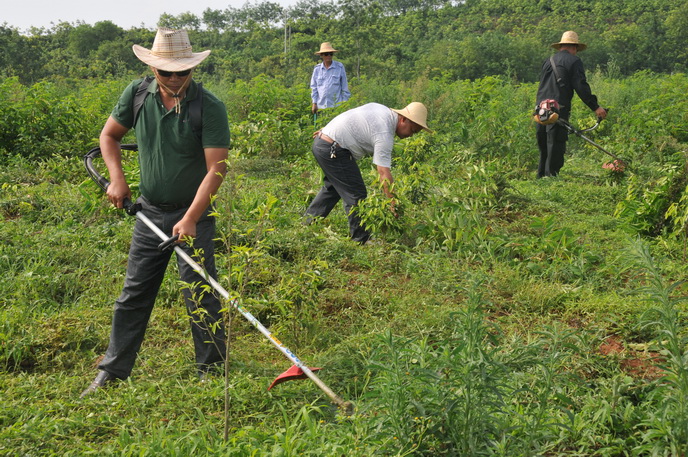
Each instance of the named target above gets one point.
<point>171,156</point>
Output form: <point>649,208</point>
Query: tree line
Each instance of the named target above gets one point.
<point>389,39</point>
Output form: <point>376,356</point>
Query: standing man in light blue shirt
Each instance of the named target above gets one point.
<point>328,82</point>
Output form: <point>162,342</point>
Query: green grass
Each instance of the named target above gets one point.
<point>474,328</point>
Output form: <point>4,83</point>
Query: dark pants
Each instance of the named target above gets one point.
<point>343,181</point>
<point>145,272</point>
<point>552,144</point>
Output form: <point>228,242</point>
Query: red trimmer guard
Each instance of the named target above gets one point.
<point>292,373</point>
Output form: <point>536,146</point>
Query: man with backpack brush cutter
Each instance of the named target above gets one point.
<point>561,75</point>
<point>182,163</point>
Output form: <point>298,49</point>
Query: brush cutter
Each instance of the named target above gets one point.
<point>299,370</point>
<point>579,133</point>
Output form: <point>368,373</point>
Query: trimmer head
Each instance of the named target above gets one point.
<point>294,372</point>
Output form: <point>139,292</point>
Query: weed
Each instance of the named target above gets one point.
<point>667,428</point>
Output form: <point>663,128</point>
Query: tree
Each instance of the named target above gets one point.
<point>187,21</point>
<point>10,42</point>
<point>215,19</point>
<point>86,38</point>
<point>676,38</point>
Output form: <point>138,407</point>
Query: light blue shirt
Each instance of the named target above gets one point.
<point>328,85</point>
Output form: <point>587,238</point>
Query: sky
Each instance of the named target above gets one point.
<point>24,14</point>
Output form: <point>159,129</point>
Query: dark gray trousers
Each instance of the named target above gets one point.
<point>343,181</point>
<point>145,272</point>
<point>552,145</point>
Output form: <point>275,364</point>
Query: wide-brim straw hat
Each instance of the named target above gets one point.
<point>415,112</point>
<point>326,47</point>
<point>570,38</point>
<point>171,51</point>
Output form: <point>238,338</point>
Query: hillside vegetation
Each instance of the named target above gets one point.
<point>498,315</point>
<point>388,39</point>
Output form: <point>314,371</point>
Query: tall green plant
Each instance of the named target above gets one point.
<point>656,207</point>
<point>442,396</point>
<point>665,431</point>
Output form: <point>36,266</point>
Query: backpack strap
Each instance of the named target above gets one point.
<point>140,96</point>
<point>556,72</point>
<point>196,112</point>
<point>195,105</point>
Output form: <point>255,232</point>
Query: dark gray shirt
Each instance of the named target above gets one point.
<point>573,79</point>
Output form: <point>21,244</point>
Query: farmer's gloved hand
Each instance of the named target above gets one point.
<point>314,108</point>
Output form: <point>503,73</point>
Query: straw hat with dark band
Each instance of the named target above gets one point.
<point>326,47</point>
<point>570,38</point>
<point>171,51</point>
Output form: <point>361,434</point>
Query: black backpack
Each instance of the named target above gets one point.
<point>195,105</point>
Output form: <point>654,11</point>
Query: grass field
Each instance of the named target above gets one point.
<point>499,315</point>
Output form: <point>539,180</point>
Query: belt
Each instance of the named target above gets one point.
<point>334,146</point>
<point>325,138</point>
<point>168,207</point>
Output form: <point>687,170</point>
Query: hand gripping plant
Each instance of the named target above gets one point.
<point>299,370</point>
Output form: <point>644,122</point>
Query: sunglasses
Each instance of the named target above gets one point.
<point>167,74</point>
<point>327,53</point>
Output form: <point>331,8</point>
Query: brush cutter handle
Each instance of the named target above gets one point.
<point>168,243</point>
<point>103,183</point>
<point>597,124</point>
<point>95,153</point>
<point>600,119</point>
<point>92,172</point>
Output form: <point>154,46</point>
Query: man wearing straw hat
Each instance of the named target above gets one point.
<point>329,86</point>
<point>350,136</point>
<point>562,74</point>
<point>181,169</point>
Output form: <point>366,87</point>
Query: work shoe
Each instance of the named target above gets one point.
<point>102,378</point>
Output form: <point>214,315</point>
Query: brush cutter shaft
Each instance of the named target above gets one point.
<point>256,323</point>
<point>166,241</point>
<point>571,129</point>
